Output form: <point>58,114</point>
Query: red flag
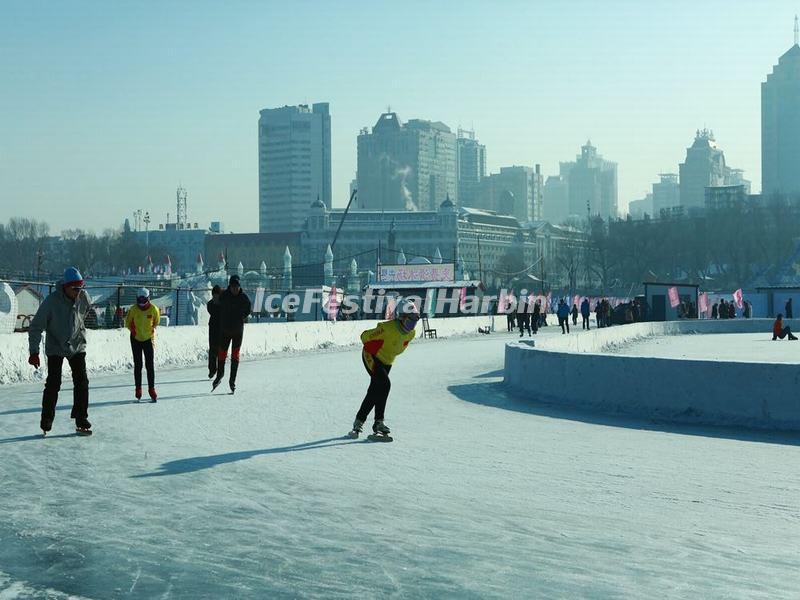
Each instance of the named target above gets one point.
<point>462,301</point>
<point>674,298</point>
<point>737,298</point>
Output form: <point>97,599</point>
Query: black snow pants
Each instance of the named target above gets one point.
<point>228,339</point>
<point>143,349</point>
<point>80,387</point>
<point>377,392</point>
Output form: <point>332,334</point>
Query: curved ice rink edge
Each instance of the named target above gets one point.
<point>572,370</point>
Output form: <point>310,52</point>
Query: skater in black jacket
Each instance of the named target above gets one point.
<point>233,312</point>
<point>214,333</point>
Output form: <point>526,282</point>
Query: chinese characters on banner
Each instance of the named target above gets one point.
<point>674,298</point>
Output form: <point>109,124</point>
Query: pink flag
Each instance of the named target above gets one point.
<point>674,298</point>
<point>702,303</point>
<point>462,300</point>
<point>390,309</point>
<point>737,298</point>
<point>333,304</point>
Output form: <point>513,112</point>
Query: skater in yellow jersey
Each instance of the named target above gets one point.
<point>142,320</point>
<point>381,346</point>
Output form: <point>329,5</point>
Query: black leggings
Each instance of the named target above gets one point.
<point>80,387</point>
<point>377,392</point>
<point>143,348</point>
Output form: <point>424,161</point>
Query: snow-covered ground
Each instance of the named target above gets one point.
<point>480,496</point>
<point>736,347</point>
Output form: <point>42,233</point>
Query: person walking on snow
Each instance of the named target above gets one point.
<point>62,317</point>
<point>779,331</point>
<point>585,312</point>
<point>142,320</point>
<point>574,315</point>
<point>233,312</point>
<point>382,346</point>
<point>563,316</point>
<point>213,330</point>
<point>788,308</point>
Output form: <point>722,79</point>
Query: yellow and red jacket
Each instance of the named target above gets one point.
<point>386,342</point>
<point>142,322</point>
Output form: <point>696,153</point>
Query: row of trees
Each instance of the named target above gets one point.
<point>27,250</point>
<point>723,248</point>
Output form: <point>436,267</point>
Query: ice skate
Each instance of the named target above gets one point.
<point>232,386</point>
<point>380,432</point>
<point>46,426</point>
<point>215,383</point>
<point>138,393</point>
<point>153,395</point>
<point>356,430</point>
<point>83,427</point>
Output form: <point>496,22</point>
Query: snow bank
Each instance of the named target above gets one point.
<point>571,370</point>
<point>109,350</point>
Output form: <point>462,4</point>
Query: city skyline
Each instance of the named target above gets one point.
<point>122,107</point>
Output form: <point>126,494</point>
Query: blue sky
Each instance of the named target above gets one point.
<point>106,106</point>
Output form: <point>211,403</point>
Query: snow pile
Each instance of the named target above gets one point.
<point>109,350</point>
<point>578,370</point>
<point>8,308</point>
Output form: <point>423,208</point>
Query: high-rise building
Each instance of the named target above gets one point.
<point>592,183</point>
<point>637,209</point>
<point>294,164</point>
<point>704,167</point>
<point>666,193</point>
<point>471,166</point>
<point>409,166</point>
<point>515,191</point>
<point>556,199</point>
<point>780,124</point>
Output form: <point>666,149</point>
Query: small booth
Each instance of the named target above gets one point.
<point>668,301</point>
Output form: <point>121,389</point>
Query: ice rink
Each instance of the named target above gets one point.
<point>480,496</point>
<point>737,347</point>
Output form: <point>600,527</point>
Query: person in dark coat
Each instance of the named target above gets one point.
<point>788,308</point>
<point>563,316</point>
<point>234,309</point>
<point>524,316</point>
<point>536,316</point>
<point>585,312</point>
<point>731,310</point>
<point>214,333</point>
<point>714,311</point>
<point>575,315</point>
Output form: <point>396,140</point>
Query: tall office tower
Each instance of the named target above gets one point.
<point>515,191</point>
<point>704,167</point>
<point>592,183</point>
<point>471,167</point>
<point>780,124</point>
<point>294,165</point>
<point>666,193</point>
<point>409,166</point>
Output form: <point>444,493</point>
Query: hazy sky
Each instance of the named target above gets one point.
<point>106,106</point>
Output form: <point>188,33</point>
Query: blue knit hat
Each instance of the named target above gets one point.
<point>72,277</point>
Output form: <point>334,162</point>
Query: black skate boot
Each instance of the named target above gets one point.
<point>356,430</point>
<point>380,432</point>
<point>83,427</point>
<point>220,375</point>
<point>46,426</point>
<point>234,371</point>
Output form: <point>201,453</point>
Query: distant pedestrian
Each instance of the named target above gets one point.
<point>788,309</point>
<point>524,316</point>
<point>714,311</point>
<point>575,315</point>
<point>585,313</point>
<point>563,316</point>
